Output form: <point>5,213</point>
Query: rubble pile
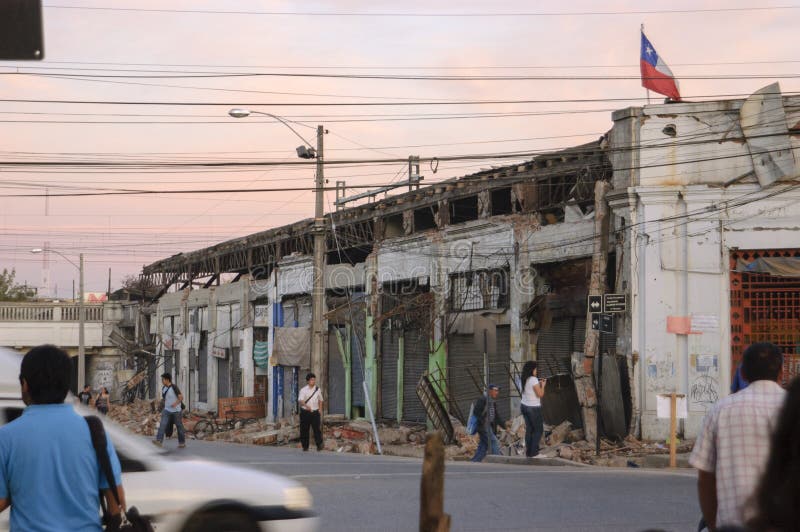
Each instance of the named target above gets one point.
<point>343,436</point>
<point>139,417</point>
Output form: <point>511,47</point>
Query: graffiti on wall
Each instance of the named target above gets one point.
<point>660,373</point>
<point>704,388</point>
<point>103,375</point>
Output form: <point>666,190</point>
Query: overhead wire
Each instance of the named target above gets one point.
<point>430,14</point>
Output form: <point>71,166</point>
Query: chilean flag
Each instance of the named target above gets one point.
<point>656,75</point>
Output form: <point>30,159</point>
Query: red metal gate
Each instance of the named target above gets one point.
<point>765,308</point>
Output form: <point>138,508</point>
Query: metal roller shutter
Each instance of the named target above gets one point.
<point>202,370</point>
<point>462,357</point>
<point>415,364</point>
<point>290,390</point>
<point>554,347</point>
<point>390,340</point>
<point>223,378</point>
<point>357,367</point>
<point>498,370</point>
<point>336,390</point>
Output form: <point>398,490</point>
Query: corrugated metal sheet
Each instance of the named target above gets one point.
<point>223,378</point>
<point>390,340</point>
<point>358,316</point>
<point>462,357</point>
<point>236,372</point>
<point>357,355</point>
<point>290,381</point>
<point>202,369</point>
<point>415,364</point>
<point>498,370</point>
<point>554,347</point>
<point>336,389</point>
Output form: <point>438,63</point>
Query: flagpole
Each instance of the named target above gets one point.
<point>641,29</point>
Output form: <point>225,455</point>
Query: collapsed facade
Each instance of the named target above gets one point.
<point>464,280</point>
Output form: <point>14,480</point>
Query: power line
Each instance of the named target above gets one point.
<point>434,14</point>
<point>294,189</point>
<point>423,102</point>
<point>339,162</point>
<point>400,77</point>
<point>397,67</point>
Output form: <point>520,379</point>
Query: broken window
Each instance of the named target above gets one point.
<point>425,218</point>
<point>464,209</point>
<point>352,256</point>
<point>501,201</point>
<point>393,226</point>
<point>479,290</point>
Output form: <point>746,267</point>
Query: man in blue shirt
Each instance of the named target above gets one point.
<point>49,474</point>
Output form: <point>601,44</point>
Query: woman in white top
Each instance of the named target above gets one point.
<point>531,407</point>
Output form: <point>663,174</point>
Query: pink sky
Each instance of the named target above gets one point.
<point>124,233</point>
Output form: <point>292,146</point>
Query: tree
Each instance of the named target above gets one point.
<point>134,287</point>
<point>11,291</point>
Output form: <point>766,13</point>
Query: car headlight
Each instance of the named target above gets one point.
<point>297,498</point>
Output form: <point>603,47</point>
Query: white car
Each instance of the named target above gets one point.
<point>184,496</point>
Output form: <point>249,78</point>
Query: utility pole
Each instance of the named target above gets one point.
<point>585,380</point>
<point>318,288</point>
<point>81,321</point>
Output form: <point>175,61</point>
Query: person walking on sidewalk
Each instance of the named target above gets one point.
<point>310,399</point>
<point>732,448</point>
<point>101,403</point>
<point>531,407</point>
<point>172,402</point>
<point>49,471</point>
<point>488,420</point>
<point>86,395</point>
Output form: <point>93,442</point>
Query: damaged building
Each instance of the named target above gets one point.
<point>464,277</point>
<point>432,293</point>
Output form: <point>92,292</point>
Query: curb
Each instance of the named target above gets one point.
<point>524,460</point>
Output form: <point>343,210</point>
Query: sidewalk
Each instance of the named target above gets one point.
<point>653,461</point>
<point>524,460</point>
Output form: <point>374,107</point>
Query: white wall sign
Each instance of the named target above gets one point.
<point>663,406</point>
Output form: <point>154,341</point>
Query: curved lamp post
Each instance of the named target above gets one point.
<point>81,314</point>
<point>318,290</point>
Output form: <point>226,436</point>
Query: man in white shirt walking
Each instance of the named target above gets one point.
<point>310,399</point>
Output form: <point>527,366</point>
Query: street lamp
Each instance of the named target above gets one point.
<point>81,314</point>
<point>318,290</point>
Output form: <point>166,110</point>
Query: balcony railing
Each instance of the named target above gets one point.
<point>50,312</point>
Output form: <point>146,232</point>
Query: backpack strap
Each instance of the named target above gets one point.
<point>100,443</point>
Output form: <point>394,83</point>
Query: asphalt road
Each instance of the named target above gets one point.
<point>354,492</point>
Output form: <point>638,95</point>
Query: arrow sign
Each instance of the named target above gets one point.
<point>595,322</point>
<point>595,303</point>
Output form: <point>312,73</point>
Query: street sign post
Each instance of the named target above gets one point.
<point>614,303</point>
<point>595,303</point>
<point>606,323</point>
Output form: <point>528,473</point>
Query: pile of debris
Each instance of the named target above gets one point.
<point>139,417</point>
<point>344,436</point>
<point>562,441</point>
